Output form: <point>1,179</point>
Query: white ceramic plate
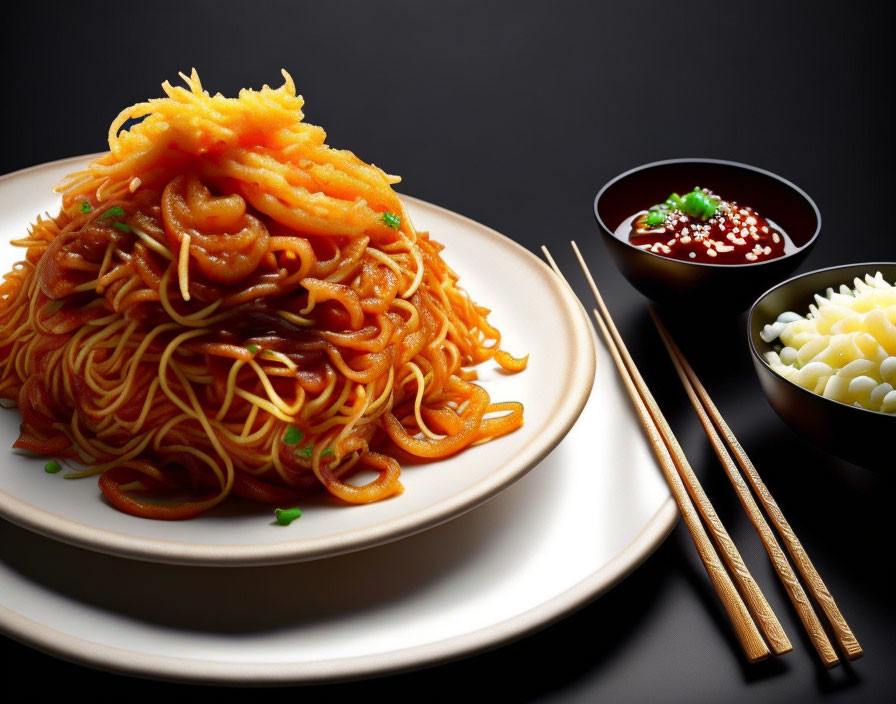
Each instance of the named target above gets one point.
<point>585,517</point>
<point>536,315</point>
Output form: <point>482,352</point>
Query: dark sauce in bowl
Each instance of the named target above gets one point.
<point>702,227</point>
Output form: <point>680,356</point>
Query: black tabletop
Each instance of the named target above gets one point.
<point>515,114</point>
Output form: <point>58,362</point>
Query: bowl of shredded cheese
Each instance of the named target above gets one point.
<point>824,348</point>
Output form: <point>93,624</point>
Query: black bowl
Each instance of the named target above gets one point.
<point>855,434</point>
<point>729,287</point>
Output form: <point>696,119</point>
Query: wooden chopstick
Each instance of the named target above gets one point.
<point>745,629</point>
<point>709,415</point>
<point>794,589</point>
<point>756,602</point>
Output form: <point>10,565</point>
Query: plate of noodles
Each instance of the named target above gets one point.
<point>570,529</point>
<point>223,316</point>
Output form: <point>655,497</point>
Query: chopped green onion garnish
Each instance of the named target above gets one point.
<point>392,220</point>
<point>252,350</point>
<point>52,467</point>
<point>655,217</point>
<point>674,201</point>
<point>285,516</point>
<point>308,451</point>
<point>698,204</point>
<point>86,207</point>
<point>115,212</point>
<point>54,306</point>
<point>123,226</point>
<point>293,436</point>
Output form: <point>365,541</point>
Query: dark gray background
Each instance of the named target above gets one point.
<point>515,114</point>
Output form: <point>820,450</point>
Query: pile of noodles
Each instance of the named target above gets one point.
<point>226,305</point>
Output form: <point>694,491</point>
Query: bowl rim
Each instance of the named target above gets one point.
<point>758,355</point>
<point>802,249</point>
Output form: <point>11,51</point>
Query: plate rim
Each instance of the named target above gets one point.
<point>217,672</point>
<point>580,379</point>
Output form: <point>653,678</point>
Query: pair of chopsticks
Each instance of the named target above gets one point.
<point>755,624</point>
